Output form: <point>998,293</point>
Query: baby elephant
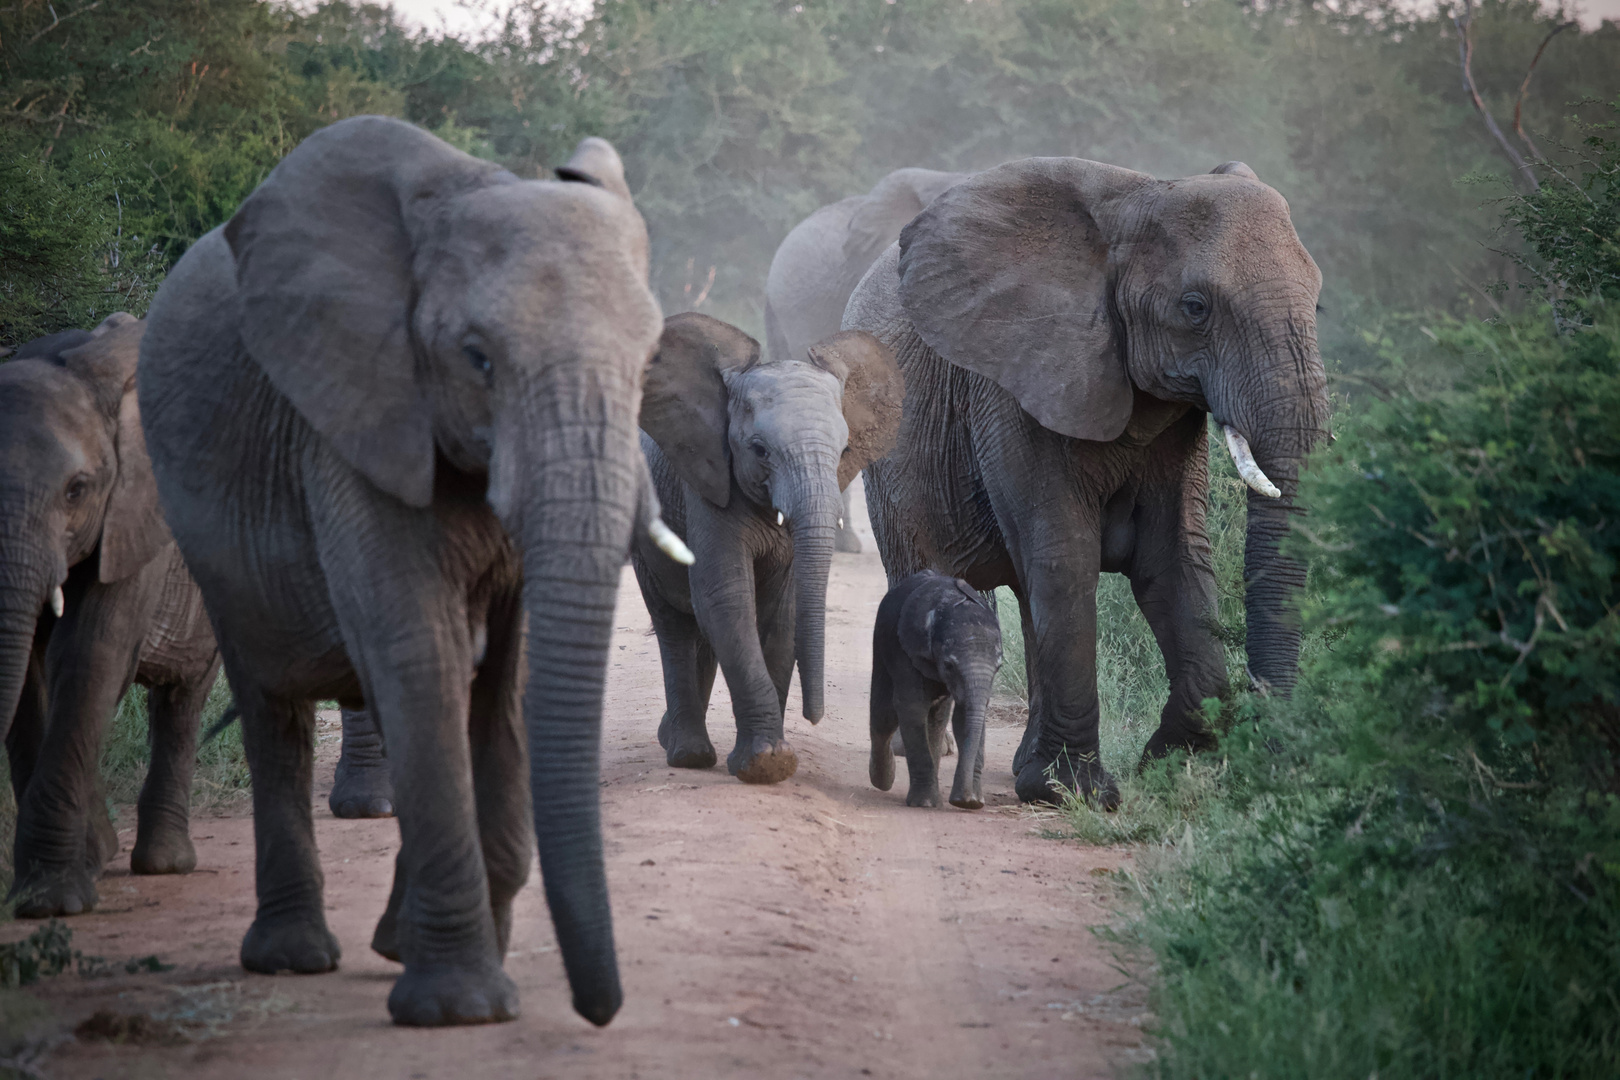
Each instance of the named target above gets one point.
<point>937,645</point>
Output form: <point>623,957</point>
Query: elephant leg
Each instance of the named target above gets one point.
<point>885,725</point>
<point>1032,686</point>
<point>1066,752</point>
<point>939,723</point>
<point>688,664</point>
<point>385,939</point>
<point>845,539</point>
<point>916,712</point>
<point>289,931</point>
<point>500,764</point>
<point>163,815</point>
<point>1173,578</point>
<point>774,611</point>
<point>27,733</point>
<point>63,837</point>
<point>361,787</point>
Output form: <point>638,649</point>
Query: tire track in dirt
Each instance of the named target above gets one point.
<point>817,928</point>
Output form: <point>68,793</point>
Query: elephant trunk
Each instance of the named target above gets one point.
<point>972,701</point>
<point>569,495</point>
<point>811,502</point>
<point>26,587</point>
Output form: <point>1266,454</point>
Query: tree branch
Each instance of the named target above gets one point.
<point>1465,50</point>
<point>58,20</point>
<point>1524,87</point>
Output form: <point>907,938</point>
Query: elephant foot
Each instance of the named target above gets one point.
<point>964,797</point>
<point>49,894</point>
<point>686,749</point>
<point>1026,747</point>
<point>1046,782</point>
<point>1163,743</point>
<point>881,769</point>
<point>385,939</point>
<point>439,997</point>
<point>165,853</point>
<point>362,791</point>
<point>762,760</point>
<point>303,947</point>
<point>926,797</point>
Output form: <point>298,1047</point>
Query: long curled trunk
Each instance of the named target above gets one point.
<point>577,480</point>
<point>813,506</point>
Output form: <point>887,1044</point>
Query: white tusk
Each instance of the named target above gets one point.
<point>58,602</point>
<point>840,523</point>
<point>779,517</point>
<point>669,543</point>
<point>1243,458</point>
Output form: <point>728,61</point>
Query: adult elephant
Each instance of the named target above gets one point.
<point>93,597</point>
<point>749,459</point>
<point>821,261</point>
<point>1065,327</point>
<point>391,407</point>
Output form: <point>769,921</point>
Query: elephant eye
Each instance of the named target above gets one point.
<point>76,489</point>
<point>758,447</point>
<point>1194,307</point>
<point>475,356</point>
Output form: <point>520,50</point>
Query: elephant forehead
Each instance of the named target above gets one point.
<point>47,419</point>
<point>794,386</point>
<point>545,220</point>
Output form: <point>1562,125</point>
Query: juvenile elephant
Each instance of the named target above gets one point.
<point>936,648</point>
<point>1065,327</point>
<point>391,407</point>
<point>93,597</point>
<point>821,261</point>
<point>748,459</point>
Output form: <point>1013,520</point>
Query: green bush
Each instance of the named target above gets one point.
<point>222,772</point>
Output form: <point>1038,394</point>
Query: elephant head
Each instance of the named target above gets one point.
<point>1075,285</point>
<point>788,436</point>
<point>74,480</point>
<point>431,314</point>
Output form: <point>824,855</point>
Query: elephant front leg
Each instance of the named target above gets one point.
<point>1066,751</point>
<point>163,816</point>
<point>723,598</point>
<point>289,931</point>
<point>361,786</point>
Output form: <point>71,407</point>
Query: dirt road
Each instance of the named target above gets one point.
<point>817,928</point>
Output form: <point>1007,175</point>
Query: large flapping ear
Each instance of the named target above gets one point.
<point>874,392</point>
<point>1234,168</point>
<point>1007,275</point>
<point>893,202</point>
<point>133,531</point>
<point>324,270</point>
<point>595,162</point>
<point>916,624</point>
<point>683,401</point>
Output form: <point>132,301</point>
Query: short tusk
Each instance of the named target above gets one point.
<point>669,543</point>
<point>1243,458</point>
<point>779,518</point>
<point>58,602</point>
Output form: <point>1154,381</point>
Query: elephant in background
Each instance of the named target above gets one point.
<point>93,597</point>
<point>748,458</point>
<point>820,262</point>
<point>391,408</point>
<point>1065,328</point>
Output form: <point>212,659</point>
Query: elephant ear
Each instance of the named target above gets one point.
<point>683,400</point>
<point>133,531</point>
<point>324,254</point>
<point>887,208</point>
<point>595,162</point>
<point>1007,275</point>
<point>1234,168</point>
<point>916,624</point>
<point>874,391</point>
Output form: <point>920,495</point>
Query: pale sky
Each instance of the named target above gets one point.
<point>448,14</point>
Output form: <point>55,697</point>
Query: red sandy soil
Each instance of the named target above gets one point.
<point>816,928</point>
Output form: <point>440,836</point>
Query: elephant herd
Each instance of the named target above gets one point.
<point>388,436</point>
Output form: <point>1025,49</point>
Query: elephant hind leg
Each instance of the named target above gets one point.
<point>361,786</point>
<point>689,665</point>
<point>500,765</point>
<point>163,819</point>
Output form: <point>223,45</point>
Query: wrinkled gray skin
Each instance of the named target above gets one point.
<point>936,648</point>
<point>361,787</point>
<point>1066,328</point>
<point>821,261</point>
<point>391,407</point>
<point>733,445</point>
<point>79,512</point>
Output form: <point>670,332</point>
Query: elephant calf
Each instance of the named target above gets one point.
<point>936,649</point>
<point>748,459</point>
<point>93,596</point>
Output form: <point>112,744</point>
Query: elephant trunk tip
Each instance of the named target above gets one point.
<point>600,1007</point>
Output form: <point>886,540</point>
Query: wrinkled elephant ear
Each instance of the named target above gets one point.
<point>132,530</point>
<point>683,401</point>
<point>1007,275</point>
<point>874,392</point>
<point>324,253</point>
<point>887,208</point>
